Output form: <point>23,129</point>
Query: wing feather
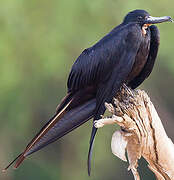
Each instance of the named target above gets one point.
<point>96,63</point>
<point>128,48</point>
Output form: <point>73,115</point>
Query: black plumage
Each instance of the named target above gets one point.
<point>125,55</point>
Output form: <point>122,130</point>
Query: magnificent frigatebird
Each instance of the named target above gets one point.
<point>125,55</point>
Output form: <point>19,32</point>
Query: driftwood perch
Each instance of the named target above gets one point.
<point>141,134</point>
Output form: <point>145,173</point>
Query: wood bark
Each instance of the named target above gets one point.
<point>141,134</point>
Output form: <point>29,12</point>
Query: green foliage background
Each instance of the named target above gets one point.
<point>39,41</point>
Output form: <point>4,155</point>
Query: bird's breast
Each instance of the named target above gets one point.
<point>141,58</point>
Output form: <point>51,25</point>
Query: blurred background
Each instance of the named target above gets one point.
<point>39,41</point>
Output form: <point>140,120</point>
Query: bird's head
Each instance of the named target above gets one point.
<point>143,18</point>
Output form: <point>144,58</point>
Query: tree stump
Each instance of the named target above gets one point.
<point>141,134</point>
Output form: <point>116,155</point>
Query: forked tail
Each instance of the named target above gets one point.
<point>59,125</point>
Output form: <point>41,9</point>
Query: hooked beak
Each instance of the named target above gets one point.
<point>155,20</point>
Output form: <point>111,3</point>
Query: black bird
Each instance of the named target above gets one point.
<point>125,55</point>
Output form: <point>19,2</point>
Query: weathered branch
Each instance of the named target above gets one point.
<point>141,134</point>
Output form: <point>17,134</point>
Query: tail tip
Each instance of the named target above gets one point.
<point>4,170</point>
<point>89,163</point>
<point>19,159</point>
<point>89,172</point>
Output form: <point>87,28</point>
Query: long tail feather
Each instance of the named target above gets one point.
<point>12,162</point>
<point>19,161</point>
<point>63,124</point>
<point>46,129</point>
<point>94,131</point>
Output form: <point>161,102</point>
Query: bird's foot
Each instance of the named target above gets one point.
<point>98,124</point>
